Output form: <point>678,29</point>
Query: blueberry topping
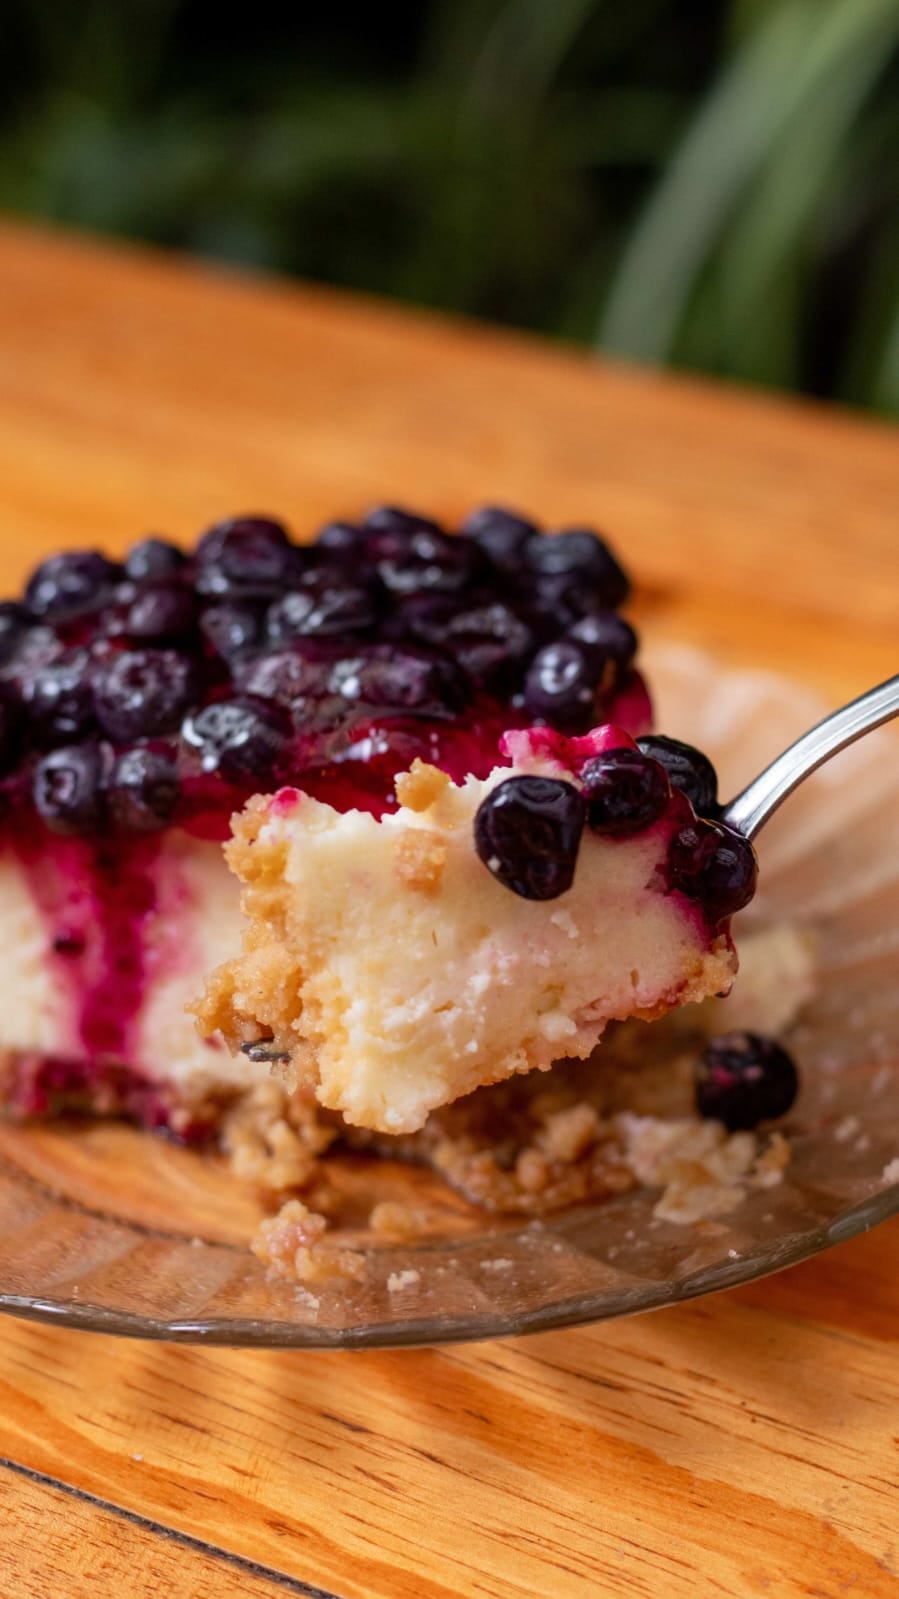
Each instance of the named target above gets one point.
<point>501,534</point>
<point>527,833</point>
<point>714,866</point>
<point>561,684</point>
<point>233,627</point>
<point>688,769</point>
<point>68,789</point>
<point>399,524</point>
<point>142,788</point>
<point>609,634</point>
<point>580,554</point>
<point>140,693</point>
<point>345,607</point>
<point>403,681</point>
<point>13,626</point>
<point>245,555</point>
<point>490,643</point>
<point>60,700</point>
<point>153,560</point>
<point>241,739</point>
<point>163,612</point>
<point>283,675</point>
<point>625,791</point>
<point>341,540</point>
<point>743,1079</point>
<point>70,585</point>
<point>425,561</point>
<point>10,722</point>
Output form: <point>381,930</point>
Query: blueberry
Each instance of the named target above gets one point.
<point>142,788</point>
<point>161,611</point>
<point>59,700</point>
<point>399,524</point>
<point>10,721</point>
<point>714,866</point>
<point>345,607</point>
<point>153,560</point>
<point>244,555</point>
<point>241,739</point>
<point>527,833</point>
<point>582,556</point>
<point>424,560</point>
<point>490,643</point>
<point>233,627</point>
<point>32,652</point>
<point>688,769</point>
<point>340,540</point>
<point>607,633</point>
<point>70,585</point>
<point>561,684</point>
<point>13,626</point>
<point>68,789</point>
<point>285,676</point>
<point>501,534</point>
<point>405,682</point>
<point>743,1079</point>
<point>140,693</point>
<point>625,791</point>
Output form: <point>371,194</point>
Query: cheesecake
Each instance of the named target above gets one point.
<point>483,928</point>
<point>145,702</point>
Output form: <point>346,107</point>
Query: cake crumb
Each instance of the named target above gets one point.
<point>420,787</point>
<point>890,1173</point>
<point>846,1129</point>
<point>291,1245</point>
<point>399,1280</point>
<point>390,1219</point>
<point>502,1263</point>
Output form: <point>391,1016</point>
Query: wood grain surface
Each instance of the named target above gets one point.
<point>743,1445</point>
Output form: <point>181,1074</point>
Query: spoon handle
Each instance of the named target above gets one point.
<point>767,792</point>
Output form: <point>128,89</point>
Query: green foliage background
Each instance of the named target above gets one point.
<point>705,184</point>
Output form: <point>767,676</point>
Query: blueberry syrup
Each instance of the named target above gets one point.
<point>164,692</point>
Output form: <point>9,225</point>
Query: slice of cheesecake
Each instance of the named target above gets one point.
<point>481,929</point>
<point>144,702</point>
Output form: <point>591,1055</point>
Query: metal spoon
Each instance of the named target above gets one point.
<point>767,792</point>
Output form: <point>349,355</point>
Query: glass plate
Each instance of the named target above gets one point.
<point>105,1228</point>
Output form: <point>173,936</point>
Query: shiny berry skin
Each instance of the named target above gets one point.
<point>581,556</point>
<point>501,534</point>
<point>609,634</point>
<point>233,627</point>
<point>68,789</point>
<point>403,681</point>
<point>742,1079</point>
<point>561,684</point>
<point>490,643</point>
<point>714,866</point>
<point>340,540</point>
<point>140,693</point>
<point>70,585</point>
<point>285,676</point>
<point>13,626</point>
<point>527,832</point>
<point>624,791</point>
<point>245,555</point>
<point>426,562</point>
<point>398,523</point>
<point>241,739</point>
<point>344,607</point>
<point>10,723</point>
<point>59,700</point>
<point>161,612</point>
<point>688,769</point>
<point>142,788</point>
<point>154,560</point>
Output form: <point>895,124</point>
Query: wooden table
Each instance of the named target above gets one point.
<point>739,1445</point>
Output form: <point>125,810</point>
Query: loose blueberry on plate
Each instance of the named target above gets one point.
<point>527,833</point>
<point>743,1079</point>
